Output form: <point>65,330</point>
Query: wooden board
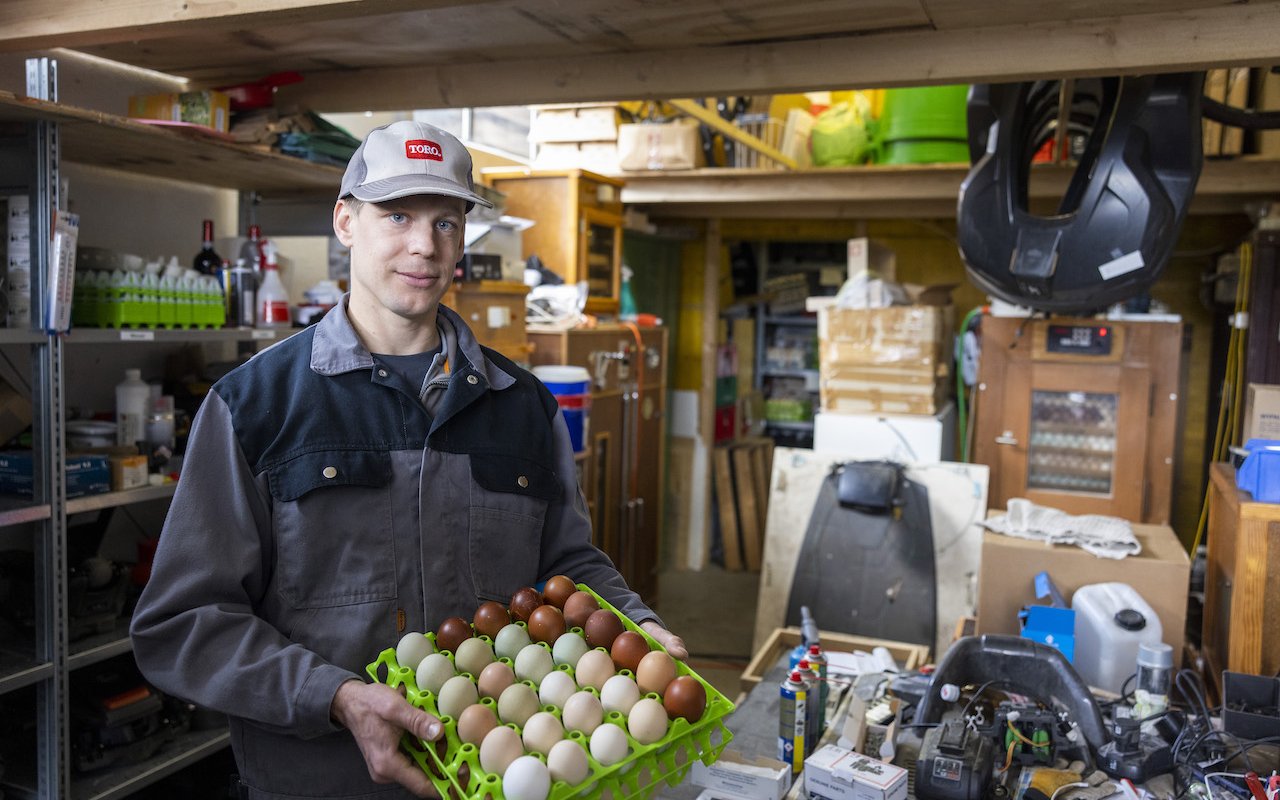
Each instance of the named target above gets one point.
<point>727,509</point>
<point>957,501</point>
<point>748,511</point>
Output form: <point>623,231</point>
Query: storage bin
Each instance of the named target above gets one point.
<point>1111,621</point>
<point>1259,475</point>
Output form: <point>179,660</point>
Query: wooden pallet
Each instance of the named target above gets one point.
<point>740,471</point>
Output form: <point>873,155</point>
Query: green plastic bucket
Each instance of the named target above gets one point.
<point>924,151</point>
<point>925,112</point>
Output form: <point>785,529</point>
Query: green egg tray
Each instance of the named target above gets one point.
<point>454,766</point>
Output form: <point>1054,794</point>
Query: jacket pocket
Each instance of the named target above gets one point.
<point>509,499</point>
<point>332,520</point>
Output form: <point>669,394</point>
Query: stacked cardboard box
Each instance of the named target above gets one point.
<point>576,136</point>
<point>17,284</point>
<point>886,360</point>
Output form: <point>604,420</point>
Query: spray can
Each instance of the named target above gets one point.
<point>793,709</point>
<point>808,636</point>
<point>812,733</point>
<point>818,661</point>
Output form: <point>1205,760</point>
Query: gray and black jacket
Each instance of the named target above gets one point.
<point>323,510</point>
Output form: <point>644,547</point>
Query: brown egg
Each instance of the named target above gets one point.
<point>686,698</point>
<point>656,671</point>
<point>578,607</point>
<point>546,624</point>
<point>475,722</point>
<point>602,628</point>
<point>451,633</point>
<point>494,680</point>
<point>627,650</point>
<point>558,589</point>
<point>491,617</point>
<point>524,601</point>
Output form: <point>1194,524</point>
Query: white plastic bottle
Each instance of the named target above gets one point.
<point>132,399</point>
<point>273,300</point>
<point>1112,620</point>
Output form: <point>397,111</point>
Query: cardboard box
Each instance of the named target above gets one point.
<point>1160,573</point>
<point>1262,412</point>
<point>128,472</point>
<point>601,157</point>
<point>906,438</point>
<point>782,640</point>
<point>833,773</point>
<point>209,109</point>
<point>588,122</point>
<point>737,775</point>
<point>658,146</point>
<point>892,360</point>
<point>85,474</point>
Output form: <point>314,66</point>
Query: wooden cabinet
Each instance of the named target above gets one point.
<point>495,312</point>
<point>578,226</point>
<point>1241,604</point>
<point>1081,414</point>
<point>626,431</point>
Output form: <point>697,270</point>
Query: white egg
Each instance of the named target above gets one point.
<point>556,688</point>
<point>517,703</point>
<point>620,693</point>
<point>647,721</point>
<point>434,670</point>
<point>457,693</point>
<point>413,647</point>
<point>510,641</point>
<point>533,662</point>
<point>567,762</point>
<point>609,744</point>
<point>526,779</point>
<point>594,668</point>
<point>541,732</point>
<point>582,712</point>
<point>569,648</point>
<point>473,656</point>
<point>500,747</point>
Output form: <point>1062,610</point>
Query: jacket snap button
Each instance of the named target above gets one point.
<point>471,379</point>
<point>523,482</point>
<point>382,373</point>
<point>329,472</point>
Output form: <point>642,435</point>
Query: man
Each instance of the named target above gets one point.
<point>371,475</point>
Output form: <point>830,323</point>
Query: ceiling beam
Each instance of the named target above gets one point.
<point>1237,34</point>
<point>40,24</point>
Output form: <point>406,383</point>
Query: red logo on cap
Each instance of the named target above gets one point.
<point>423,148</point>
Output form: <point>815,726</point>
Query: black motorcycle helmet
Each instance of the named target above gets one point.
<point>1120,216</point>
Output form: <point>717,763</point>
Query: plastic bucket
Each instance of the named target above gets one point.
<point>925,151</point>
<point>926,112</point>
<point>572,389</point>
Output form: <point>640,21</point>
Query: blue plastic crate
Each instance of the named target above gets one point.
<point>1259,475</point>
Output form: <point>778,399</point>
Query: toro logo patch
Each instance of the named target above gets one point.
<point>423,148</point>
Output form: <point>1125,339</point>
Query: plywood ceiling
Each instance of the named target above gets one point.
<point>401,53</point>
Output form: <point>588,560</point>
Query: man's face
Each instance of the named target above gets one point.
<point>402,252</point>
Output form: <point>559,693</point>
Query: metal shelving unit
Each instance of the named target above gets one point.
<point>40,132</point>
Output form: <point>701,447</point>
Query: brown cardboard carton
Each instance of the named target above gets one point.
<point>891,360</point>
<point>1262,412</point>
<point>1160,573</point>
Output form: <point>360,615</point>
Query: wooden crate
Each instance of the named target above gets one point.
<point>474,301</point>
<point>782,640</point>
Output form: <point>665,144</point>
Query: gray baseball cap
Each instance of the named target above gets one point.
<point>407,158</point>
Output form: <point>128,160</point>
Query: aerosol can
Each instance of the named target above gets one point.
<point>818,662</point>
<point>812,731</point>
<point>793,713</point>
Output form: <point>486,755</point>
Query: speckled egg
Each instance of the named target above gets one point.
<point>523,602</point>
<point>602,628</point>
<point>491,617</point>
<point>546,624</point>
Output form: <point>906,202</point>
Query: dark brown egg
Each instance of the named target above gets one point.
<point>558,589</point>
<point>524,601</point>
<point>686,698</point>
<point>578,607</point>
<point>602,628</point>
<point>546,624</point>
<point>627,650</point>
<point>491,617</point>
<point>451,633</point>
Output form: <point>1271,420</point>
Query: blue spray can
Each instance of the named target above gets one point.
<point>793,712</point>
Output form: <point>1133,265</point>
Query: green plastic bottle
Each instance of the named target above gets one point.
<point>627,301</point>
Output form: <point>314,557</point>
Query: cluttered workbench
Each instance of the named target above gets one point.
<point>1002,717</point>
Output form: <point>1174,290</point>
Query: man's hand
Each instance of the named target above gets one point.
<point>376,715</point>
<point>674,644</point>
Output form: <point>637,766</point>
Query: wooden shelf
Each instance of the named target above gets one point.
<point>108,140</point>
<point>920,191</point>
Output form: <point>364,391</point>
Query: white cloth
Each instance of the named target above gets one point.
<point>1105,537</point>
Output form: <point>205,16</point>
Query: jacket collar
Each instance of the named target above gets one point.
<point>336,348</point>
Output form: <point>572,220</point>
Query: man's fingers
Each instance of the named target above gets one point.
<point>674,644</point>
<point>418,722</point>
<point>406,773</point>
